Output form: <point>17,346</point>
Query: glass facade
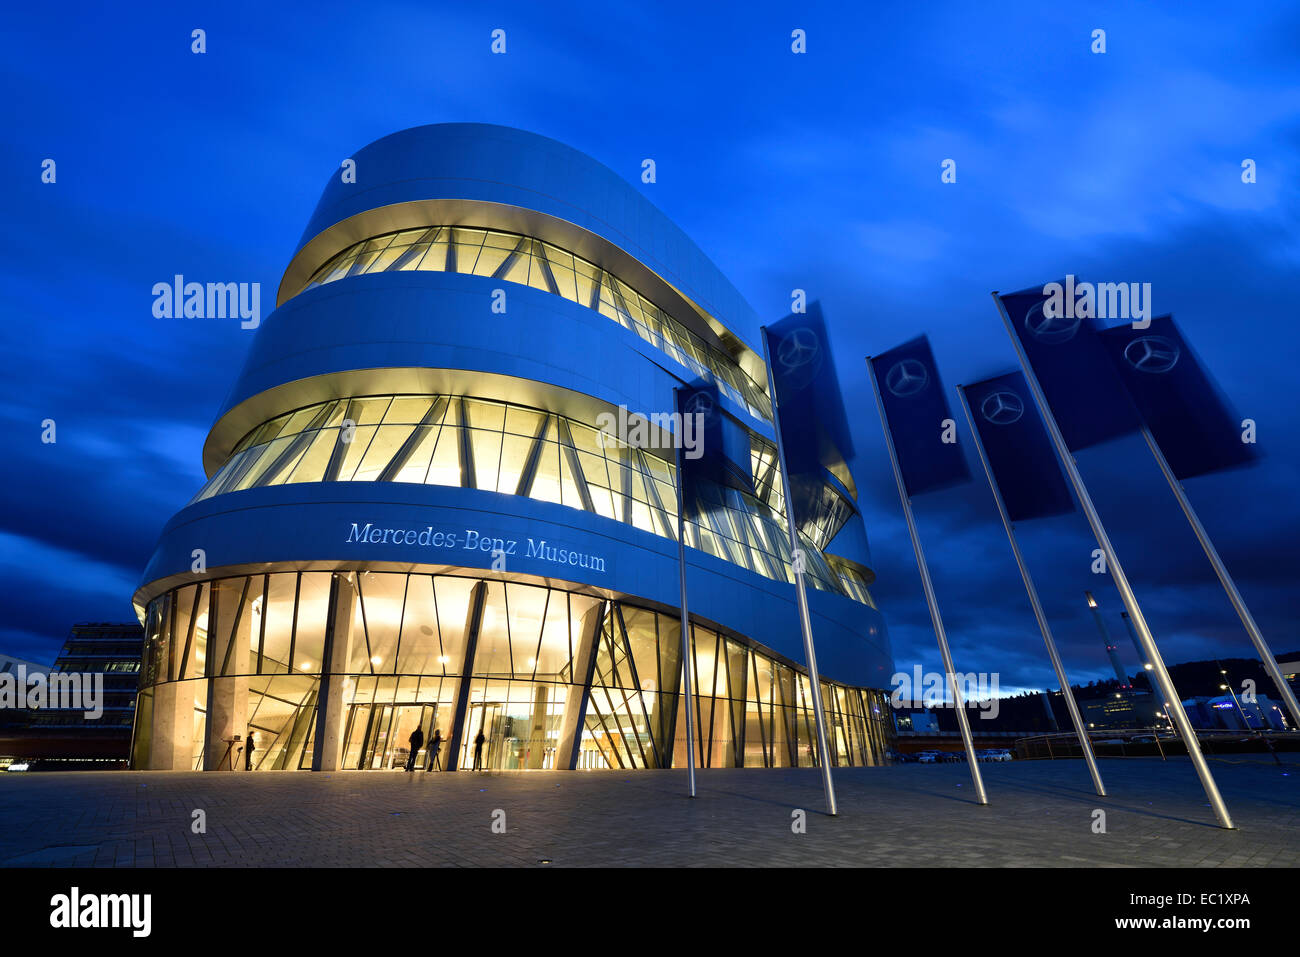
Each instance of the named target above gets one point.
<point>551,678</point>
<point>511,257</point>
<point>508,448</point>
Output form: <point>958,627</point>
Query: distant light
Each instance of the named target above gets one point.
<point>1148,667</point>
<point>18,767</point>
<point>305,666</point>
<point>376,660</point>
<point>1092,602</point>
<point>443,659</point>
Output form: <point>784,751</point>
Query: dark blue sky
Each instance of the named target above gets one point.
<point>818,171</point>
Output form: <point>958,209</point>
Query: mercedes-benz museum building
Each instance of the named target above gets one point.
<point>413,517</point>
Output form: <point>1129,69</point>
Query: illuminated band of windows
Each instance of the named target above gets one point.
<point>511,257</point>
<point>553,678</point>
<point>502,447</point>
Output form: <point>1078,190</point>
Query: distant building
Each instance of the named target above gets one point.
<point>12,717</point>
<point>1223,712</point>
<point>1124,709</point>
<point>112,651</point>
<point>101,661</point>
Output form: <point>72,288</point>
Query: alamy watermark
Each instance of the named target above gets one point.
<point>214,300</point>
<point>66,690</point>
<point>1103,300</point>
<point>929,689</point>
<point>659,430</point>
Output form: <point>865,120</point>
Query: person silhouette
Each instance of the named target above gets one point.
<point>478,750</point>
<point>248,752</point>
<point>435,745</point>
<point>417,741</point>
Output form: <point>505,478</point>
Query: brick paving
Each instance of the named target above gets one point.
<point>911,815</point>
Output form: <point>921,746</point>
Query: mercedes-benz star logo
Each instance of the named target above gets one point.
<point>701,404</point>
<point>1053,330</point>
<point>798,349</point>
<point>907,377</point>
<point>1152,354</point>
<point>1002,408</point>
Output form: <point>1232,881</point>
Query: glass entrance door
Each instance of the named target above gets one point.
<point>378,735</point>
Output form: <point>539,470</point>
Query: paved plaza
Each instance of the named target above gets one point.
<point>910,815</point>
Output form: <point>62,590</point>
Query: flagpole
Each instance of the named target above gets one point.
<point>805,620</point>
<point>1084,741</point>
<point>928,587</point>
<point>681,574</point>
<point>1173,704</point>
<point>1229,586</point>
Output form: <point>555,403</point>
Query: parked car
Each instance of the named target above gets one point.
<point>1000,754</point>
<point>927,757</point>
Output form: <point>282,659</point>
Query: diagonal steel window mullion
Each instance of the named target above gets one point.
<point>365,630</point>
<point>575,466</point>
<point>418,434</point>
<point>758,706</point>
<point>613,682</point>
<point>340,450</point>
<point>539,255</point>
<point>636,684</point>
<point>510,259</point>
<point>297,445</point>
<point>652,493</point>
<point>466,449</point>
<point>541,633</point>
<point>529,473</point>
<point>234,628</point>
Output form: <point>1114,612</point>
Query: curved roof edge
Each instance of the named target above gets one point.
<point>500,164</point>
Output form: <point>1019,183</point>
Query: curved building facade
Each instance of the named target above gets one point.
<point>417,514</point>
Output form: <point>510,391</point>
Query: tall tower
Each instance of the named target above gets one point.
<point>422,510</point>
<point>1112,649</point>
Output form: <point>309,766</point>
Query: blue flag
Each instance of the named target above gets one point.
<point>915,413</point>
<point>1018,448</point>
<point>718,448</point>
<point>1196,429</point>
<point>1062,342</point>
<point>814,427</point>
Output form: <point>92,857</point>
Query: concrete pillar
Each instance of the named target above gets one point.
<point>227,717</point>
<point>227,697</point>
<point>537,729</point>
<point>172,742</point>
<point>327,746</point>
<point>575,702</point>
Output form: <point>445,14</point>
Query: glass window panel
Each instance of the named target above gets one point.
<point>528,606</point>
<point>311,467</point>
<point>546,480</point>
<point>309,635</point>
<point>514,454</point>
<point>488,260</point>
<point>380,609</point>
<point>368,411</point>
<point>452,594</point>
<point>382,448</point>
<point>420,648</point>
<point>444,469</point>
<point>521,421</point>
<point>486,415</point>
<point>279,623</point>
<point>417,465</point>
<point>487,457</point>
<point>492,655</point>
<point>354,451</point>
<point>407,410</point>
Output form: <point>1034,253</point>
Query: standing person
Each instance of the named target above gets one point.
<point>417,741</point>
<point>248,752</point>
<point>478,750</point>
<point>435,745</point>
